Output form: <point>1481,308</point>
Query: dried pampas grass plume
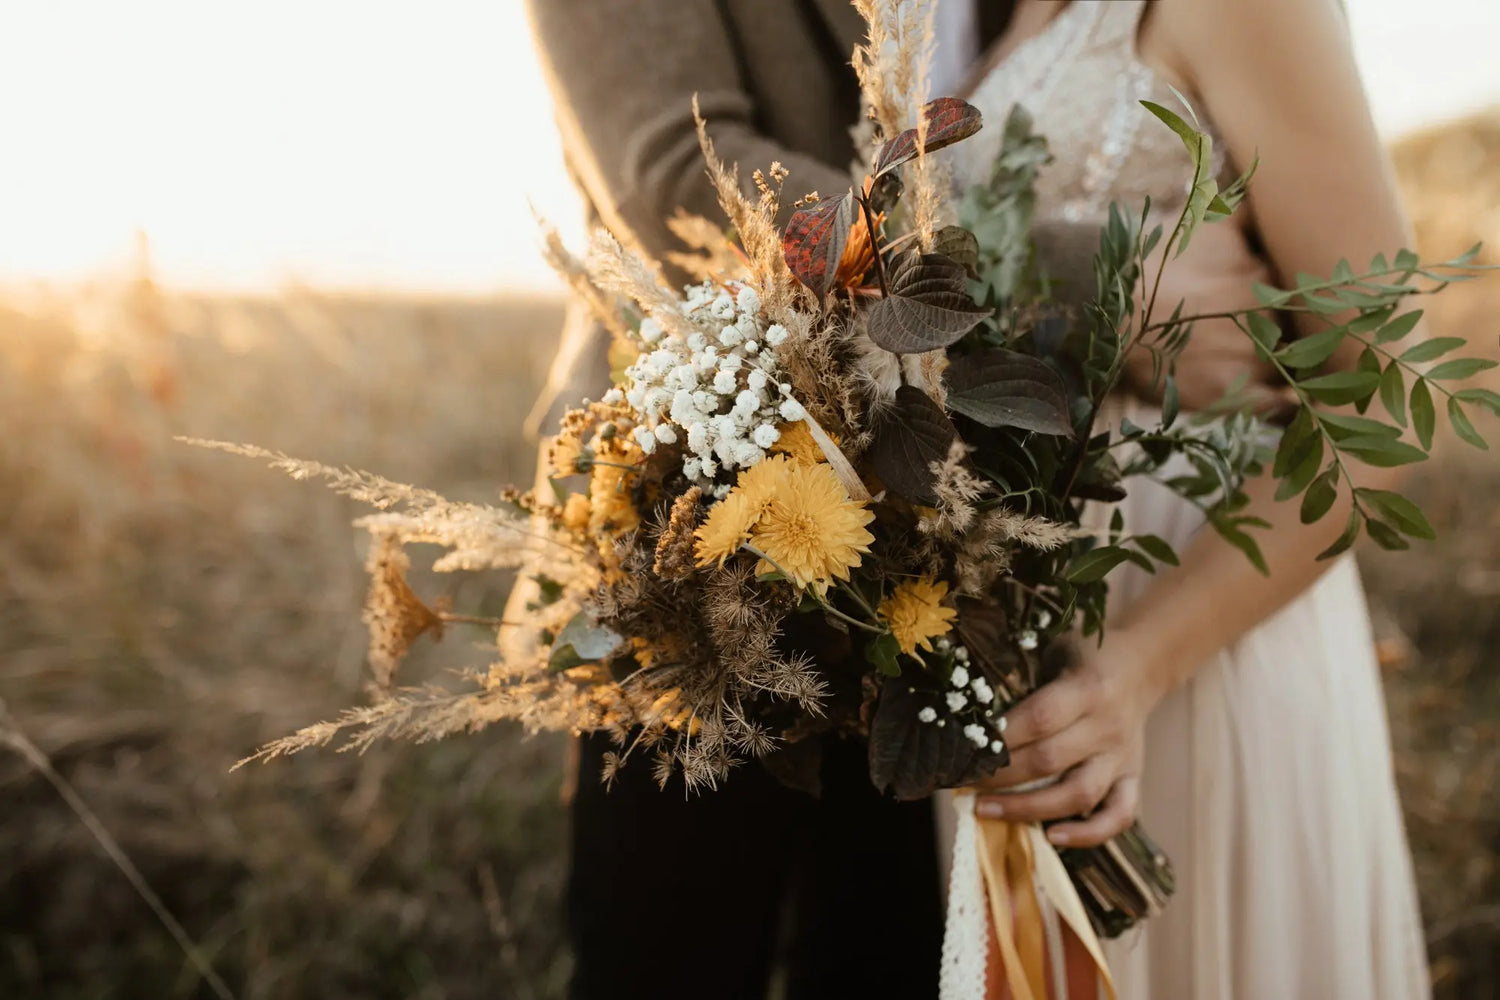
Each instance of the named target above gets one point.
<point>627,273</point>
<point>759,233</point>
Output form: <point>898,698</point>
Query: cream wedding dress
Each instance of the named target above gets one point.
<point>1268,776</point>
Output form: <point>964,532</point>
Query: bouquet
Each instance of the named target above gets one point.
<point>841,481</point>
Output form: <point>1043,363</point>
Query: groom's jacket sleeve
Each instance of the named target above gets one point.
<point>624,74</point>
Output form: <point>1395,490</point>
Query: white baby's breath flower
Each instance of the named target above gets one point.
<point>748,300</point>
<point>983,693</point>
<point>650,330</point>
<point>730,336</point>
<point>959,678</point>
<point>765,435</point>
<point>635,396</point>
<point>691,468</point>
<point>961,654</point>
<point>697,439</point>
<point>977,734</point>
<point>708,467</point>
<point>928,714</point>
<point>696,341</point>
<point>666,434</point>
<point>747,454</point>
<point>731,362</point>
<point>614,397</point>
<point>956,701</point>
<point>792,411</point>
<point>752,346</point>
<point>775,335</point>
<point>1027,640</point>
<point>721,491</point>
<point>725,382</point>
<point>1043,618</point>
<point>723,307</point>
<point>645,439</point>
<point>996,746</point>
<point>756,380</point>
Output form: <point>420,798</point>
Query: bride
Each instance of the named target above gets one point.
<point>1239,714</point>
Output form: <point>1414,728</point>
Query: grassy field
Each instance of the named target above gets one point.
<point>164,610</point>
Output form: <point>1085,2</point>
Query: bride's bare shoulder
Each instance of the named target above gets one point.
<point>1210,43</point>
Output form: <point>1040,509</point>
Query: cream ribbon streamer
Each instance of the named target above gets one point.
<point>1015,870</point>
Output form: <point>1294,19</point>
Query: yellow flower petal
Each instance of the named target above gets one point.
<point>797,442</point>
<point>811,529</point>
<point>916,614</point>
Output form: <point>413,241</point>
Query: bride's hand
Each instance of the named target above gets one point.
<point>1087,727</point>
<point>1215,275</point>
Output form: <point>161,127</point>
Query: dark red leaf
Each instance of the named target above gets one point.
<point>927,304</point>
<point>814,240</point>
<point>948,121</point>
<point>913,758</point>
<point>1001,388</point>
<point>910,436</point>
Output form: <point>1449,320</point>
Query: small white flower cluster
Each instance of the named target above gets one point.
<point>717,390</point>
<point>1028,639</point>
<point>972,697</point>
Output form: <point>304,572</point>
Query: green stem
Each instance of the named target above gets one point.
<point>745,546</point>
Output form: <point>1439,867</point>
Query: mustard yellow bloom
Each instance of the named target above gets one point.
<point>916,614</point>
<point>576,511</point>
<point>725,529</point>
<point>797,442</point>
<point>611,511</point>
<point>764,481</point>
<point>811,529</point>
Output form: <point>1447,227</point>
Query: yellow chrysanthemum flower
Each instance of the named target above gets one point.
<point>797,441</point>
<point>725,529</point>
<point>612,513</point>
<point>916,614</point>
<point>811,529</point>
<point>729,521</point>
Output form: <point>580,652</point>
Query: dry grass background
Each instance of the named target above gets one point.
<point>165,610</point>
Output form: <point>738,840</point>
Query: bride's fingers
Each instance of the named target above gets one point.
<point>1045,712</point>
<point>1114,816</point>
<point>1051,756</point>
<point>1080,790</point>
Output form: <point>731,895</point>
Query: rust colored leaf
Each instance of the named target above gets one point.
<point>814,241</point>
<point>949,120</point>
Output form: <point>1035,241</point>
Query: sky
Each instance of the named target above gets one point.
<point>370,143</point>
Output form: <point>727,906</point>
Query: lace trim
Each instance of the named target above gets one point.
<point>966,933</point>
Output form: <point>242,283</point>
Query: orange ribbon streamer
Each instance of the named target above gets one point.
<point>1020,867</point>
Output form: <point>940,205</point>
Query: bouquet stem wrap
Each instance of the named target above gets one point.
<point>1016,927</point>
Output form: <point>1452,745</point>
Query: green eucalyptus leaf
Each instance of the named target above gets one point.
<point>1157,548</point>
<point>1423,416</point>
<point>1264,331</point>
<point>1487,398</point>
<point>1341,426</point>
<point>1310,352</point>
<point>1320,495</point>
<point>1268,296</point>
<point>1398,327</point>
<point>1310,460</point>
<point>1400,512</point>
<point>1346,539</point>
<point>1338,388</point>
<point>1393,393</point>
<point>1231,532</point>
<point>1385,536</point>
<point>1462,427</point>
<point>1095,564</point>
<point>1460,368</point>
<point>1406,260</point>
<point>1171,402</point>
<point>1382,452</point>
<point>1430,350</point>
<point>1290,450</point>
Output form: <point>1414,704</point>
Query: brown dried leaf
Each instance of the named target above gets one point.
<point>927,305</point>
<point>910,438</point>
<point>1000,388</point>
<point>814,240</point>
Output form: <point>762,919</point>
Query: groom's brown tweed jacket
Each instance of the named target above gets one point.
<point>773,80</point>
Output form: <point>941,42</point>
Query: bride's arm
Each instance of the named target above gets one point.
<point>1277,76</point>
